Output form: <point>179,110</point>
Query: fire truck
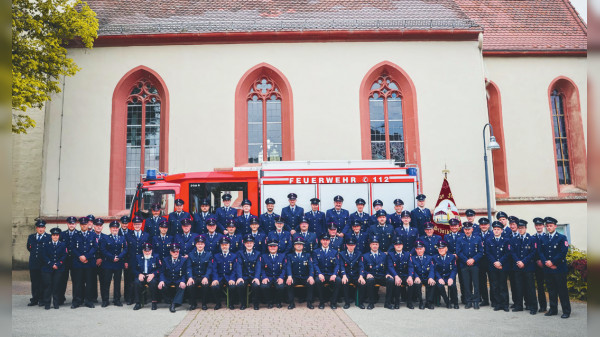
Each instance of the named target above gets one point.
<point>367,179</point>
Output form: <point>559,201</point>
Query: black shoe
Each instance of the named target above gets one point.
<point>551,313</point>
<point>118,303</point>
<point>74,306</point>
<point>217,306</point>
<point>410,305</point>
<point>231,307</point>
<point>370,306</point>
<point>456,306</point>
<point>154,305</point>
<point>333,306</point>
<point>468,305</point>
<point>61,302</point>
<point>421,306</point>
<point>90,305</point>
<point>269,306</point>
<point>31,304</point>
<point>388,306</point>
<point>192,307</point>
<point>346,305</point>
<point>506,309</point>
<point>361,306</point>
<point>47,307</point>
<point>172,308</point>
<point>321,306</point>
<point>397,306</point>
<point>565,315</point>
<point>517,309</point>
<point>449,306</point>
<point>476,305</point>
<point>204,307</point>
<point>256,307</point>
<point>543,309</point>
<point>532,312</point>
<point>56,305</point>
<point>310,305</point>
<point>137,306</point>
<point>242,307</point>
<point>131,302</point>
<point>497,308</point>
<point>430,306</point>
<point>291,306</point>
<point>484,304</point>
<point>104,304</point>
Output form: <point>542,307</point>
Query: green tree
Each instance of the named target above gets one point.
<point>41,29</point>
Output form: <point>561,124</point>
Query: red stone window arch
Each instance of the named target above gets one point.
<point>263,117</point>
<point>568,136</point>
<point>139,133</point>
<point>388,115</point>
<point>494,104</point>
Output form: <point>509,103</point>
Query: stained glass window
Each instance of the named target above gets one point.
<point>560,138</point>
<point>385,111</point>
<point>264,122</point>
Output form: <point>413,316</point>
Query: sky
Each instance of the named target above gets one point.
<point>581,6</point>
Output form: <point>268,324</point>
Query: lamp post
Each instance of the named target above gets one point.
<point>493,145</point>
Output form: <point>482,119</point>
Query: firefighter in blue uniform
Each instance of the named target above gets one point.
<point>361,238</point>
<point>445,275</point>
<point>359,216</point>
<point>151,224</point>
<point>234,237</point>
<point>510,232</point>
<point>553,251</point>
<point>452,238</point>
<point>174,270</point>
<point>224,272</point>
<point>224,213</point>
<point>99,269</point>
<point>309,238</point>
<point>373,266</point>
<point>114,251</point>
<point>485,233</point>
<point>258,236</point>
<point>539,266</point>
<point>53,258</point>
<point>383,231</point>
<point>350,271</point>
<point>430,239</point>
<point>420,267</point>
<point>186,240</point>
<point>397,266</point>
<point>84,262</point>
<point>242,222</point>
<point>420,215</point>
<point>405,232</point>
<point>200,217</point>
<point>212,237</point>
<point>35,245</point>
<point>470,214</point>
<point>316,218</point>
<point>503,218</point>
<point>176,217</point>
<point>470,250</point>
<point>283,237</point>
<point>337,214</point>
<point>292,214</point>
<point>125,220</point>
<point>523,250</point>
<point>377,205</point>
<point>135,239</point>
<point>496,251</point>
<point>200,269</point>
<point>163,241</point>
<point>273,268</point>
<point>267,219</point>
<point>67,237</point>
<point>300,271</point>
<point>326,264</point>
<point>396,218</point>
<point>248,272</point>
<point>146,270</point>
<point>335,242</point>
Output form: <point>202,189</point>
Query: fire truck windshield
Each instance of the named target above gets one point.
<point>165,198</point>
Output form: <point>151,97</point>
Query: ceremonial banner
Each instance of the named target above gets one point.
<point>445,209</point>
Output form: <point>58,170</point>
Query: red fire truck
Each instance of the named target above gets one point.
<point>367,179</point>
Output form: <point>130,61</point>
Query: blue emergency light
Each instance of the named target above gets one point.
<point>151,174</point>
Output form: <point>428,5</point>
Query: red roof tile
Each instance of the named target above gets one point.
<point>527,25</point>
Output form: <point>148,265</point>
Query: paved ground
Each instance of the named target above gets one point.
<point>123,321</point>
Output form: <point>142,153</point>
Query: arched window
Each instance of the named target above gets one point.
<point>263,117</point>
<point>494,104</point>
<point>264,122</point>
<point>388,116</point>
<point>139,134</point>
<point>568,136</point>
<point>385,114</point>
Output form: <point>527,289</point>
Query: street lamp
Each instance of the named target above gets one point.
<point>492,145</point>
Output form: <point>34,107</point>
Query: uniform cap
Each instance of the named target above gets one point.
<point>550,219</point>
<point>162,223</point>
<point>398,241</point>
<point>398,202</point>
<point>360,201</point>
<point>467,224</point>
<point>83,220</point>
<point>484,221</point>
<point>501,215</point>
<point>512,219</point>
<point>442,244</point>
<point>357,223</point>
<point>338,198</point>
<point>377,202</point>
<point>40,223</point>
<point>55,231</point>
<point>325,237</point>
<point>292,196</point>
<point>71,219</point>
<point>272,242</point>
<point>351,240</point>
<point>421,197</point>
<point>538,221</point>
<point>470,212</point>
<point>229,223</point>
<point>253,220</point>
<point>137,219</point>
<point>269,201</point>
<point>155,207</point>
<point>419,244</point>
<point>380,212</point>
<point>405,214</point>
<point>246,202</point>
<point>223,240</point>
<point>205,202</point>
<point>303,220</point>
<point>200,238</point>
<point>99,222</point>
<point>374,239</point>
<point>454,222</point>
<point>146,246</point>
<point>211,222</point>
<point>186,222</point>
<point>179,202</point>
<point>125,219</point>
<point>249,238</point>
<point>299,240</point>
<point>90,217</point>
<point>114,224</point>
<point>315,201</point>
<point>429,225</point>
<point>522,223</point>
<point>226,196</point>
<point>279,219</point>
<point>332,225</point>
<point>497,224</point>
<point>175,247</point>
